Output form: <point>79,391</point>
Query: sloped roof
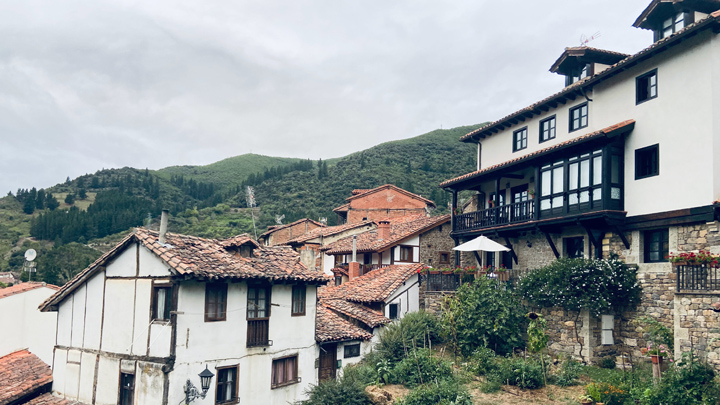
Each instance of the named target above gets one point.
<point>704,6</point>
<point>577,89</point>
<point>275,228</point>
<point>353,310</point>
<point>24,287</point>
<point>605,132</point>
<point>587,53</point>
<point>400,228</point>
<point>365,193</point>
<point>326,231</point>
<point>21,374</point>
<point>194,257</point>
<point>342,208</point>
<point>49,399</point>
<point>239,240</point>
<point>330,327</point>
<point>375,286</point>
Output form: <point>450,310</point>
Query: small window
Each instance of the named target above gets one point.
<point>284,371</point>
<point>394,311</point>
<point>646,87</point>
<point>575,247</point>
<point>338,280</point>
<point>161,303</point>
<point>215,302</point>
<point>656,246</point>
<point>298,300</point>
<point>227,385</point>
<point>520,139</point>
<point>578,117</point>
<point>490,260</point>
<point>127,388</point>
<point>258,302</point>
<point>444,257</point>
<point>352,351</point>
<point>547,129</point>
<point>647,162</point>
<point>406,254</point>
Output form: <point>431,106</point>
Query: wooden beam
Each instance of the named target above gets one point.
<point>477,257</point>
<point>513,176</point>
<point>621,234</point>
<point>591,237</point>
<point>512,251</point>
<point>551,243</point>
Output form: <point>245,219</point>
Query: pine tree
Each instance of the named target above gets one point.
<point>51,202</point>
<point>70,199</point>
<point>82,194</point>
<point>40,199</point>
<point>29,206</point>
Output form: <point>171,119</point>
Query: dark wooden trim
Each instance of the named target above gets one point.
<point>513,176</point>
<point>221,286</point>
<point>440,261</point>
<point>622,236</point>
<point>412,253</point>
<point>304,300</point>
<point>704,213</point>
<point>551,243</point>
<point>591,237</point>
<point>477,257</point>
<point>149,359</point>
<point>297,377</point>
<point>512,250</point>
<point>237,384</point>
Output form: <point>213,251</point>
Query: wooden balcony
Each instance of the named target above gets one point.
<point>503,215</point>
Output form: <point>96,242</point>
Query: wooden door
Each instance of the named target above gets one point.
<point>328,362</point>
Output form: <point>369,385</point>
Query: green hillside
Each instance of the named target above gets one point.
<point>70,223</point>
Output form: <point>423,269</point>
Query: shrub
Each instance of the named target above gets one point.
<point>419,368</point>
<point>607,393</point>
<point>413,330</point>
<point>437,393</point>
<point>568,373</point>
<point>483,361</point>
<point>343,391</point>
<point>687,382</point>
<point>657,332</point>
<point>523,373</point>
<point>607,362</point>
<point>489,387</point>
<point>484,314</point>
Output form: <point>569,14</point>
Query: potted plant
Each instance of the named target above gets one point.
<point>446,270</point>
<point>656,353</point>
<point>585,399</point>
<point>502,274</point>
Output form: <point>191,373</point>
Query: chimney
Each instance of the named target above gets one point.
<point>383,230</point>
<point>163,225</point>
<point>354,266</point>
<point>307,257</point>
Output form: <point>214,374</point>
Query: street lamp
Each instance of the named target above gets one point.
<point>192,393</point>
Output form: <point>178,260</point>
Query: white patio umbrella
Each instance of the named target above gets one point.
<point>481,243</point>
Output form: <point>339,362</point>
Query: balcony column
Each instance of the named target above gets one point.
<point>497,199</point>
<point>453,209</point>
<point>537,193</point>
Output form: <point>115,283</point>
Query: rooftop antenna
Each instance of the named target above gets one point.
<point>323,220</point>
<point>279,218</point>
<point>584,39</point>
<point>251,203</point>
<point>30,256</point>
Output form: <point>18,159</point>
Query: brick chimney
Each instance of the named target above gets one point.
<point>383,230</point>
<point>354,266</point>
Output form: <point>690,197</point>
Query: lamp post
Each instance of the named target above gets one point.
<point>192,393</point>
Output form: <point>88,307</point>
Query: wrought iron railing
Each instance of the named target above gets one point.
<point>699,277</point>
<point>505,214</point>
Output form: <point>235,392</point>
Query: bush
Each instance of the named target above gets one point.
<point>607,362</point>
<point>523,373</point>
<point>568,373</point>
<point>484,314</point>
<point>489,387</point>
<point>687,382</point>
<point>343,391</point>
<point>483,361</point>
<point>607,393</point>
<point>413,371</point>
<point>440,393</point>
<point>416,329</point>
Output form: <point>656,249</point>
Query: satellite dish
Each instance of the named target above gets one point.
<point>30,255</point>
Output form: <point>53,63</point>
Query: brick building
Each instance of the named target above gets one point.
<point>279,234</point>
<point>388,201</point>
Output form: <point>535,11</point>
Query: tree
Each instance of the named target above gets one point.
<point>82,194</point>
<point>40,199</point>
<point>70,199</point>
<point>29,206</point>
<point>51,202</point>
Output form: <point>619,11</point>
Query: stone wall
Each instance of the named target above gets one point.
<point>435,241</point>
<point>697,327</point>
<point>699,236</point>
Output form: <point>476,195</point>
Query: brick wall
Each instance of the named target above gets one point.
<point>382,204</point>
<point>285,234</point>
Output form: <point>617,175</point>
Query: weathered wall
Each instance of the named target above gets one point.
<point>698,327</point>
<point>382,204</point>
<point>435,241</point>
<point>290,232</point>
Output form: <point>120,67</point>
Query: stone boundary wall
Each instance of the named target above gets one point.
<point>697,326</point>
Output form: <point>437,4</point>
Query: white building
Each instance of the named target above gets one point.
<point>156,310</point>
<point>26,326</point>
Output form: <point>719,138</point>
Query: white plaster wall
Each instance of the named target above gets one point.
<point>25,326</point>
<point>77,332</point>
<point>124,264</point>
<point>714,62</point>
<point>143,293</point>
<point>59,363</point>
<point>64,321</point>
<point>108,379</point>
<point>365,348</point>
<point>117,334</point>
<point>149,380</point>
<point>408,296</point>
<point>411,241</point>
<point>93,311</point>
<point>87,375</point>
<point>328,264</point>
<point>72,374</point>
<point>151,265</point>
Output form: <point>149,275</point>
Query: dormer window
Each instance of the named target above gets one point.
<point>674,24</point>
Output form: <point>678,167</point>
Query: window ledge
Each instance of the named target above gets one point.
<point>285,384</point>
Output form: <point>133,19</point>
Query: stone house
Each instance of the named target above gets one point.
<point>140,324</point>
<point>611,164</point>
<point>388,201</point>
<point>280,234</point>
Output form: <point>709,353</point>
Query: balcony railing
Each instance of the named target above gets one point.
<point>505,214</point>
<point>258,332</point>
<point>697,278</point>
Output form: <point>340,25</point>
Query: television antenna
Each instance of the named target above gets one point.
<point>323,220</point>
<point>30,265</point>
<point>251,204</point>
<point>584,39</point>
<point>279,218</point>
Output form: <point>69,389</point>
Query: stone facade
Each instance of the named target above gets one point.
<point>432,244</point>
<point>697,327</point>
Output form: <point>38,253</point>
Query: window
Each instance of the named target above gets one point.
<point>284,371</point>
<point>520,139</point>
<point>161,303</point>
<point>547,129</point>
<point>490,260</point>
<point>578,117</point>
<point>298,300</point>
<point>215,302</point>
<point>258,316</point>
<point>579,73</point>
<point>674,24</point>
<point>227,385</point>
<point>574,247</point>
<point>406,254</point>
<point>646,87</point>
<point>497,201</point>
<point>338,280</point>
<point>352,351</point>
<point>127,388</point>
<point>656,246</point>
<point>394,310</point>
<point>444,257</point>
<point>647,162</point>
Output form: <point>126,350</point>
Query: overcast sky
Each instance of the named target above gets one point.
<point>86,85</point>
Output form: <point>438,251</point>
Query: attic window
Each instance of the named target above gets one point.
<point>674,24</point>
<point>579,74</point>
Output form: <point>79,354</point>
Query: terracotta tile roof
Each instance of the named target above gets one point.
<point>375,286</point>
<point>275,228</point>
<point>360,191</point>
<point>400,228</point>
<point>7,277</point>
<point>21,374</point>
<point>330,327</point>
<point>49,399</point>
<point>342,208</point>
<point>340,270</point>
<point>595,55</point>
<point>353,310</point>
<point>577,89</point>
<point>389,186</point>
<point>239,240</point>
<point>622,126</point>
<point>704,6</point>
<point>326,231</point>
<point>24,287</point>
<point>193,257</point>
